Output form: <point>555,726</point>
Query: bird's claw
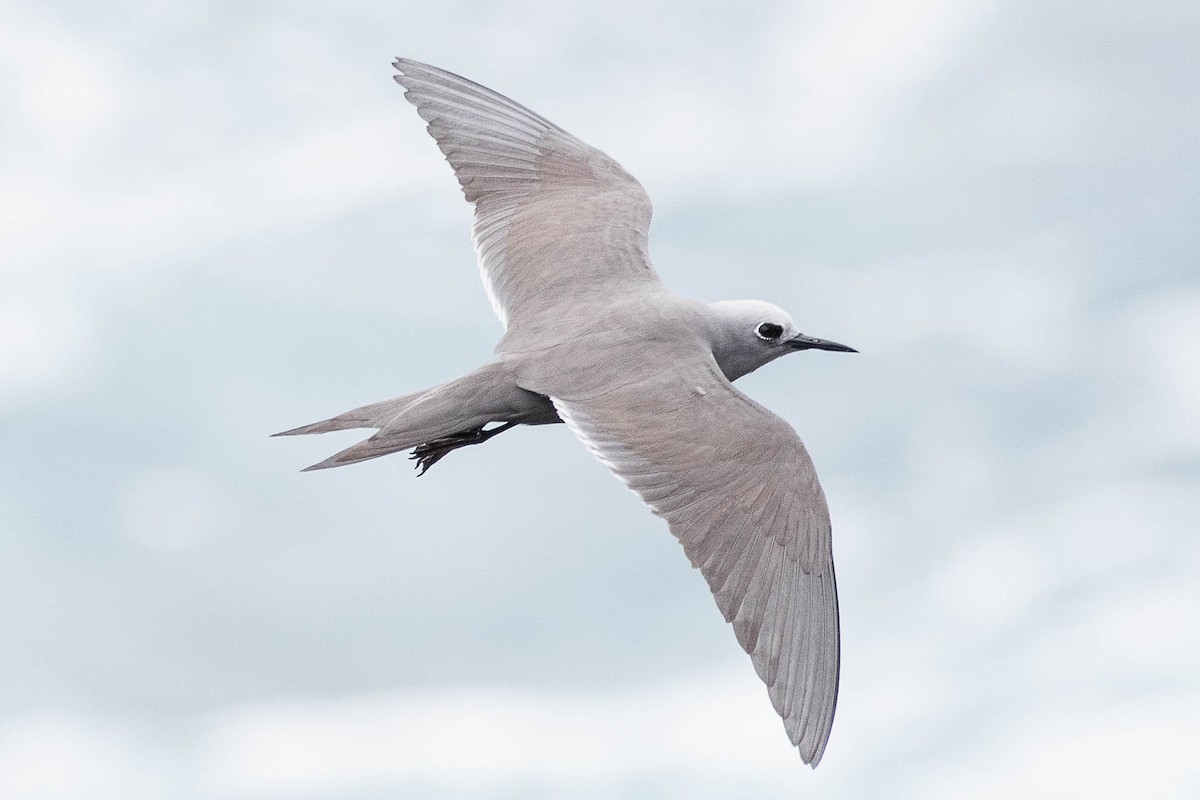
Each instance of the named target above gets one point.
<point>428,454</point>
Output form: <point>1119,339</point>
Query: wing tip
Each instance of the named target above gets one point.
<point>406,68</point>
<point>813,754</point>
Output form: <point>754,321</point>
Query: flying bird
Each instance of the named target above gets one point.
<point>594,339</point>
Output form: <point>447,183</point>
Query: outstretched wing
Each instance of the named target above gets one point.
<point>556,220</point>
<point>739,491</point>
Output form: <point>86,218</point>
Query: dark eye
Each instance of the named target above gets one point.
<point>769,331</point>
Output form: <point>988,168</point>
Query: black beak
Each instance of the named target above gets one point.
<point>813,343</point>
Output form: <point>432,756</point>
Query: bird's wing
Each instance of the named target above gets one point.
<point>739,491</point>
<point>556,220</point>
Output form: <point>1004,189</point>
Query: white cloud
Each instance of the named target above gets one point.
<point>1018,303</point>
<point>186,206</point>
<point>1166,328</point>
<point>67,87</point>
<point>992,581</point>
<point>842,71</point>
<point>1111,526</point>
<point>78,234</point>
<point>713,726</point>
<point>44,342</point>
<point>174,509</point>
<point>1151,627</point>
<point>704,733</point>
<point>809,100</point>
<point>1034,121</point>
<point>64,758</point>
<point>1137,750</point>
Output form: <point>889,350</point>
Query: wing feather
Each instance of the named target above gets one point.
<point>738,490</point>
<point>555,219</point>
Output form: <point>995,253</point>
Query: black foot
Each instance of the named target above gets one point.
<point>428,454</point>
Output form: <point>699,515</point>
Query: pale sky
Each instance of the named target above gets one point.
<point>221,220</point>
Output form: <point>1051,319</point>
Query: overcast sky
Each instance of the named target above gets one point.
<point>219,220</point>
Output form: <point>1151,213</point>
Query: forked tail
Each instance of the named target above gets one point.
<point>438,420</point>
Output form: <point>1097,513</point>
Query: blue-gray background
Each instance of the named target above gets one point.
<point>220,220</point>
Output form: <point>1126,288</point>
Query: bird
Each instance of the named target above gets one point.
<point>643,377</point>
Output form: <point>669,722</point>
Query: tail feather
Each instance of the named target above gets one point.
<point>375,415</point>
<point>487,394</point>
<point>377,445</point>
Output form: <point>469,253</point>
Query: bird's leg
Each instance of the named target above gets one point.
<point>428,454</point>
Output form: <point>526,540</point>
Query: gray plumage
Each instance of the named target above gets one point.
<point>643,377</point>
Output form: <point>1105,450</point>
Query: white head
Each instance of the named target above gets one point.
<point>745,334</point>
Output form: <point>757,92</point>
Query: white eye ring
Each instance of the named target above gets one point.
<point>769,331</point>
